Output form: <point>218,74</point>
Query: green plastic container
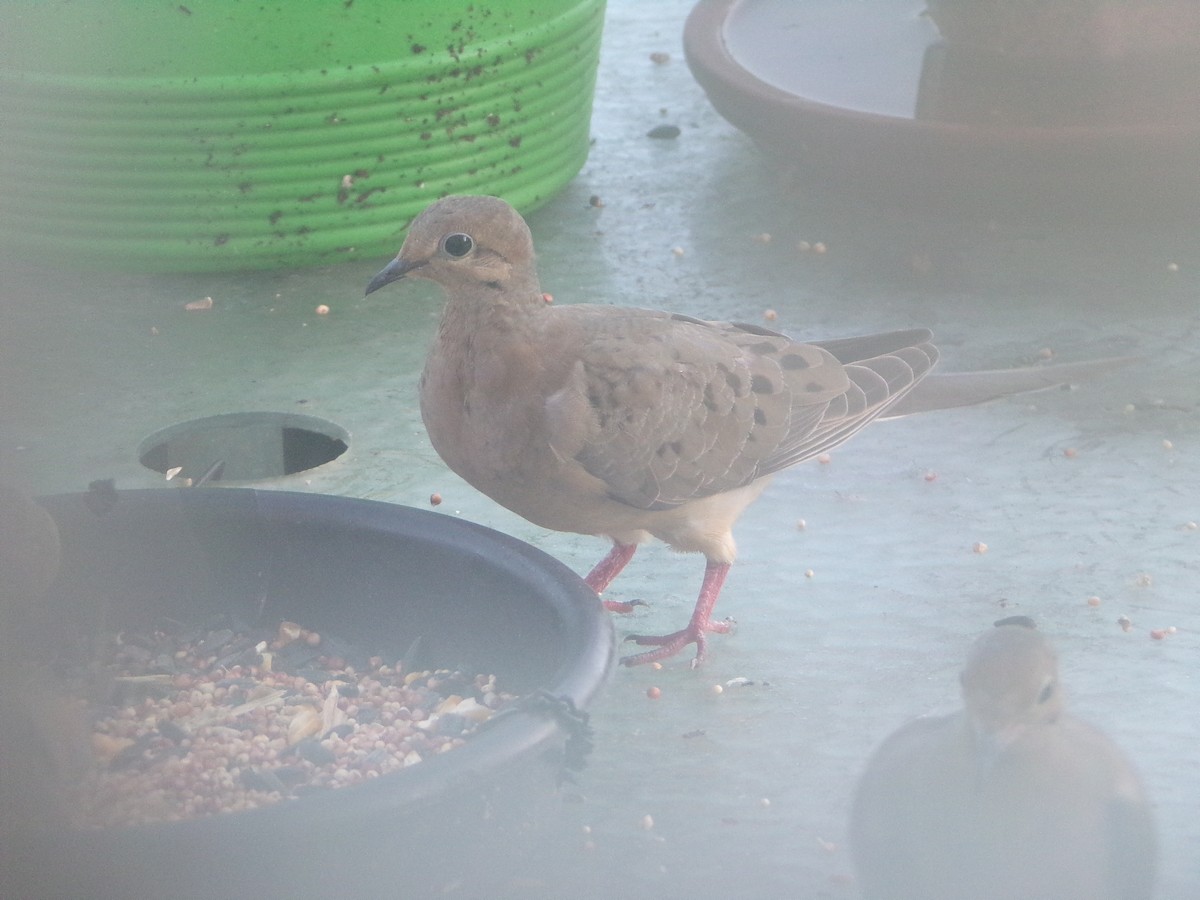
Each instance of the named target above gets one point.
<point>221,135</point>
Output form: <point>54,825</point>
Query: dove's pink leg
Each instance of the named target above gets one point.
<point>609,568</point>
<point>701,622</point>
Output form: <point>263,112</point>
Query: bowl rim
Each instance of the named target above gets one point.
<point>718,71</point>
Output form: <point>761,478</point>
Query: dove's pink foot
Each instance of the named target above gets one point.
<point>696,631</point>
<point>609,568</point>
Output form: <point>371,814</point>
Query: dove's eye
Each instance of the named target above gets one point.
<point>1047,692</point>
<point>458,245</point>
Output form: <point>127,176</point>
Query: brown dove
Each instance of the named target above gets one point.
<point>635,423</point>
<point>43,740</point>
<point>1009,798</point>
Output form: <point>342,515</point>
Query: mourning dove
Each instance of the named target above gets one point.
<point>30,552</point>
<point>634,423</point>
<point>1009,798</point>
<point>43,740</point>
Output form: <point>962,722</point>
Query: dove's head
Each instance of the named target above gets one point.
<point>1009,685</point>
<point>465,244</point>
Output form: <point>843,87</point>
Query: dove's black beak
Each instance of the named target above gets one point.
<point>393,271</point>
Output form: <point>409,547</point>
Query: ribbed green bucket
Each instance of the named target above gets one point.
<point>220,135</point>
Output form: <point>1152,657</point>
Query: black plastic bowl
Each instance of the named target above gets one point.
<point>376,575</point>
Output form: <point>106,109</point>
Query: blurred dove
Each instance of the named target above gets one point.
<point>43,740</point>
<point>1009,798</point>
<point>635,423</point>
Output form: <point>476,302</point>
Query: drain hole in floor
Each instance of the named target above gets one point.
<point>247,446</point>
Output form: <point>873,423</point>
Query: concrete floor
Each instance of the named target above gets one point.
<point>748,790</point>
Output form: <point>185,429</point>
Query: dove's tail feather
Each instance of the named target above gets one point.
<point>946,391</point>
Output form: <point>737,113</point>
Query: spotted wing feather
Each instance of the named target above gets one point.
<point>682,409</point>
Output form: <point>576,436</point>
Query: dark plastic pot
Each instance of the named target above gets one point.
<point>374,574</point>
